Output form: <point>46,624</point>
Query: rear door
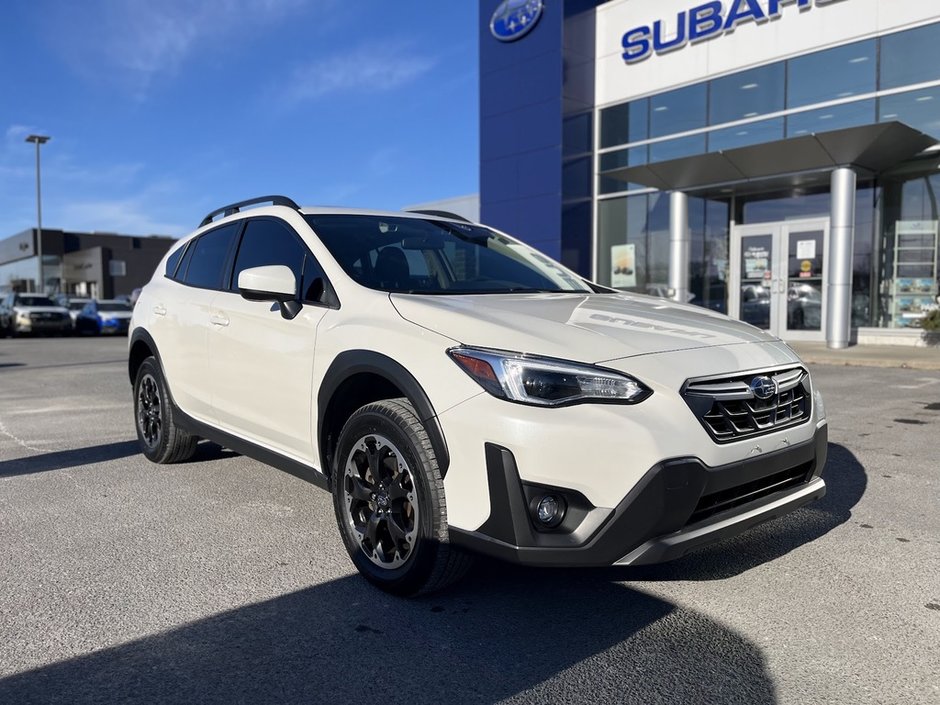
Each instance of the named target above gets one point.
<point>261,364</point>
<point>180,318</point>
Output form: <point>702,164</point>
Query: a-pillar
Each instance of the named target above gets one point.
<point>679,241</point>
<point>841,239</point>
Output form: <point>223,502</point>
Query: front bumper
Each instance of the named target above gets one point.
<point>678,505</point>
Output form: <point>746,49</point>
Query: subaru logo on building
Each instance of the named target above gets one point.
<point>513,19</point>
<point>763,387</point>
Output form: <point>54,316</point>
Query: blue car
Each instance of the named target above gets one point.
<point>107,317</point>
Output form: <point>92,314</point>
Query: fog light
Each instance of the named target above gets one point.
<point>550,510</point>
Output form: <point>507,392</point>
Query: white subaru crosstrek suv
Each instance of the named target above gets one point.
<point>459,392</point>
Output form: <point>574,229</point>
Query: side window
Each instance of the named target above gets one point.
<point>210,254</point>
<point>314,286</point>
<point>173,262</point>
<point>268,242</point>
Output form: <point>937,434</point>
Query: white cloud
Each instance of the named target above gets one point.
<point>133,41</point>
<point>362,69</point>
<point>134,215</point>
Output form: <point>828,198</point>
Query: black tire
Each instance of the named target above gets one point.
<point>403,549</point>
<point>161,440</point>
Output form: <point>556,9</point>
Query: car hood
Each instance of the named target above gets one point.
<point>582,327</point>
<point>115,315</point>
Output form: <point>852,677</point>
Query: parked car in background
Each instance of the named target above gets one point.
<point>108,316</point>
<point>74,305</point>
<point>22,314</point>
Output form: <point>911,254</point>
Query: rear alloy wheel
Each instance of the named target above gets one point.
<point>161,440</point>
<point>389,500</point>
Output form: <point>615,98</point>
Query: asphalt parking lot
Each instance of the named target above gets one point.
<point>223,580</point>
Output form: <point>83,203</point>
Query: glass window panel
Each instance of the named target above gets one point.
<point>910,57</point>
<point>832,74</point>
<point>834,117</point>
<point>747,94</point>
<point>631,156</point>
<point>677,148</point>
<point>678,111</point>
<point>267,242</point>
<point>621,230</point>
<point>209,256</point>
<point>625,123</point>
<point>744,135</point>
<point>919,109</point>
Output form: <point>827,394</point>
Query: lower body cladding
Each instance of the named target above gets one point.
<point>677,505</point>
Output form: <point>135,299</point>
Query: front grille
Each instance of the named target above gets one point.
<point>711,504</point>
<point>730,410</point>
<point>46,316</point>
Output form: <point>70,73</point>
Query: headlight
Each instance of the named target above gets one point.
<point>545,381</point>
<point>22,317</point>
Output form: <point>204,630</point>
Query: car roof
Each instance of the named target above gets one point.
<point>336,210</point>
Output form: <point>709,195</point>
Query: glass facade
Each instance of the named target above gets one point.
<point>836,78</point>
<point>896,251</point>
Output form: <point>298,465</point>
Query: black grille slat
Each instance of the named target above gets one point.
<point>716,502</point>
<point>729,413</point>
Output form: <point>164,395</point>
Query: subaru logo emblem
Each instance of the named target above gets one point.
<point>763,387</point>
<point>513,19</point>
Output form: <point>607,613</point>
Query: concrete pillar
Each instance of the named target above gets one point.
<point>841,239</point>
<point>679,242</point>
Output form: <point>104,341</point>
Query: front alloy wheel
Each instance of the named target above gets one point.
<point>379,491</point>
<point>388,494</point>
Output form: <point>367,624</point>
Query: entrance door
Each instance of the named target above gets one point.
<point>778,281</point>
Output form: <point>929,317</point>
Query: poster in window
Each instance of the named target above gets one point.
<point>623,266</point>
<point>756,261</point>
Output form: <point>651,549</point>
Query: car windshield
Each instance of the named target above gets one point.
<point>416,256</point>
<point>77,305</point>
<point>113,306</point>
<point>35,301</point>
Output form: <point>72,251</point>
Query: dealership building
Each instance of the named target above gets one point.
<point>95,265</point>
<point>776,160</point>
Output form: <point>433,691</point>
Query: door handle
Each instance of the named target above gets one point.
<point>160,310</point>
<point>219,319</point>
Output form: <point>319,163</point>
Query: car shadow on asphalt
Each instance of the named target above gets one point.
<point>61,459</point>
<point>846,482</point>
<point>500,634</point>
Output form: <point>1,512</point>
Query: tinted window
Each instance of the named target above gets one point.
<point>35,301</point>
<point>268,242</point>
<point>114,306</point>
<point>910,57</point>
<point>677,148</point>
<point>835,117</point>
<point>747,94</point>
<point>209,256</point>
<point>832,74</point>
<point>744,135</point>
<point>624,123</point>
<point>173,262</point>
<point>678,111</point>
<point>915,108</point>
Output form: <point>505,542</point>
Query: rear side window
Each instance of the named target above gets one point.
<point>174,261</point>
<point>206,265</point>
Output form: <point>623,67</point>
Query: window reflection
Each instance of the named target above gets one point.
<point>744,135</point>
<point>677,148</point>
<point>747,94</point>
<point>678,111</point>
<point>832,74</point>
<point>910,57</point>
<point>834,117</point>
<point>919,109</point>
<point>625,123</point>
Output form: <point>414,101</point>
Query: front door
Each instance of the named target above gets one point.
<point>778,279</point>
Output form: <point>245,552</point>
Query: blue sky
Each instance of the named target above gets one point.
<point>161,110</point>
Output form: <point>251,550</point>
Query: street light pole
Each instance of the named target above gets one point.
<point>39,140</point>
